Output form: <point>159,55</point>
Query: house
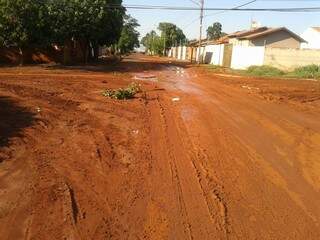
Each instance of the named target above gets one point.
<point>312,36</point>
<point>263,36</point>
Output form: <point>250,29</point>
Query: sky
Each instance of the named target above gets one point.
<point>188,21</point>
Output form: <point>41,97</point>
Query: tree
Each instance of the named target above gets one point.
<point>86,22</point>
<point>214,32</point>
<point>171,34</point>
<point>152,42</point>
<point>24,23</point>
<point>129,38</point>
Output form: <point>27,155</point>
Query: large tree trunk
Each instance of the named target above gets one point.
<point>84,44</point>
<point>67,50</point>
<point>95,52</point>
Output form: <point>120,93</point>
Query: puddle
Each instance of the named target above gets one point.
<point>146,77</point>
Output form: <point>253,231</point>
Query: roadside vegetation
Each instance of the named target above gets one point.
<point>170,35</point>
<point>310,71</point>
<point>75,27</point>
<point>123,93</point>
<point>265,71</point>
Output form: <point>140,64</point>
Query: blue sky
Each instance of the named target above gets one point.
<point>231,21</point>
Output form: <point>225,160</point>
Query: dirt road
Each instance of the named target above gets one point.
<point>230,158</point>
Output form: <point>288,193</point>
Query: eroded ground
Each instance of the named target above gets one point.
<point>232,158</point>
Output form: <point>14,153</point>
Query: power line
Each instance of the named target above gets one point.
<point>242,5</point>
<point>178,8</point>
<point>201,25</point>
<point>194,2</point>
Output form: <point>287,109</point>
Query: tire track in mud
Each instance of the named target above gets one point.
<point>212,191</point>
<point>190,180</point>
<point>159,154</point>
<point>174,172</point>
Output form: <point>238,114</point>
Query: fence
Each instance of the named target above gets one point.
<point>214,54</point>
<point>288,59</point>
<point>242,57</point>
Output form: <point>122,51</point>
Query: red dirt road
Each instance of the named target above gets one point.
<point>233,158</point>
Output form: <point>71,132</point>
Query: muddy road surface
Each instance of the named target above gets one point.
<point>195,156</point>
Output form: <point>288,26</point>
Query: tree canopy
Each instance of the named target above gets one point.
<point>25,23</point>
<point>170,35</point>
<point>214,32</point>
<point>152,42</point>
<point>129,38</point>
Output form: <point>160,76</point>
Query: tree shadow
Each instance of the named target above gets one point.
<point>13,119</point>
<point>128,64</point>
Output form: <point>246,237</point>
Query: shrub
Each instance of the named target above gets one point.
<point>123,93</point>
<point>310,71</point>
<point>264,71</point>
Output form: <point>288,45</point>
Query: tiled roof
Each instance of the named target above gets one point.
<point>263,31</point>
<point>317,29</point>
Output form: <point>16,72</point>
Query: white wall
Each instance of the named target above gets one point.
<point>174,52</point>
<point>179,53</point>
<point>184,53</point>
<point>202,49</point>
<point>217,53</point>
<point>312,37</point>
<point>244,57</point>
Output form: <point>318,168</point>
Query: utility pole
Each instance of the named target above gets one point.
<point>164,43</point>
<point>200,38</point>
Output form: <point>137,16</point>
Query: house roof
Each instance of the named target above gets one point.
<point>203,42</point>
<point>317,29</point>
<point>260,32</point>
<point>243,33</point>
<point>268,31</point>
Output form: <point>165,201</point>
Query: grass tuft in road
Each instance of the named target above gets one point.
<point>123,93</point>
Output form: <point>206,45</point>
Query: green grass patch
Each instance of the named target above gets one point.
<point>123,93</point>
<point>264,71</point>
<point>310,71</point>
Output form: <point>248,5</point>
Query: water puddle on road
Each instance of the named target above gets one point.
<point>146,77</point>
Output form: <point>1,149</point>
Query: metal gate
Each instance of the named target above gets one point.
<point>227,55</point>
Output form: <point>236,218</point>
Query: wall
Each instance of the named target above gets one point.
<point>244,57</point>
<point>213,54</point>
<point>11,55</point>
<point>179,53</point>
<point>280,39</point>
<point>236,42</point>
<point>202,50</point>
<point>184,53</point>
<point>312,37</point>
<point>288,59</point>
<point>174,52</point>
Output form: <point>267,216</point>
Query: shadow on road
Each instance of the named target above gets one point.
<point>128,64</point>
<point>13,119</point>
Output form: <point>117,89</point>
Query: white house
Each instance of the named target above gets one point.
<point>312,36</point>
